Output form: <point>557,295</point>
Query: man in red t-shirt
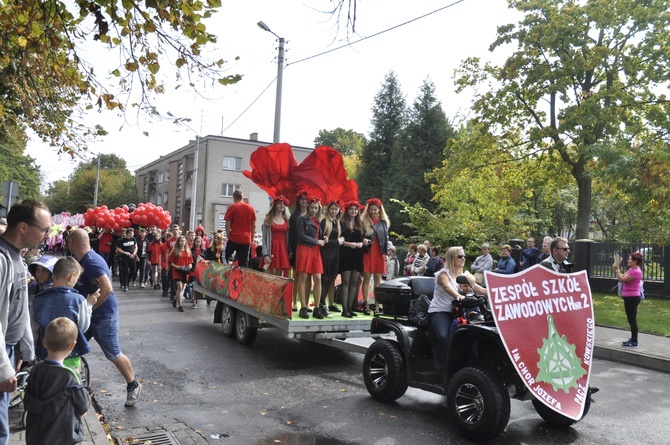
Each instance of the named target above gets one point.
<point>240,225</point>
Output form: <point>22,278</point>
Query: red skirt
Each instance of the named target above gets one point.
<point>308,259</point>
<point>373,260</point>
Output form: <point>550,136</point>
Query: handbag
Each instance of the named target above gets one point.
<point>479,278</point>
<point>418,310</point>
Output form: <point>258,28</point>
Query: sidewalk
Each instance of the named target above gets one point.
<point>653,353</point>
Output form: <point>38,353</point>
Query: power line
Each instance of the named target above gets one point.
<point>341,47</point>
<point>377,33</point>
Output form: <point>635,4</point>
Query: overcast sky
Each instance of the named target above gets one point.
<point>324,92</point>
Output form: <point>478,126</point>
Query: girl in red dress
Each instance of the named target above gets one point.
<point>300,210</point>
<point>308,257</point>
<point>376,239</point>
<point>275,238</point>
<point>181,261</point>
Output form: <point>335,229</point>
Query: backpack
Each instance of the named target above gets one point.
<point>418,310</point>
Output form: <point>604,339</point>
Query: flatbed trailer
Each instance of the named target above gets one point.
<point>248,300</point>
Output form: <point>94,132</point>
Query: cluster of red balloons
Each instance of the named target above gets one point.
<point>144,215</point>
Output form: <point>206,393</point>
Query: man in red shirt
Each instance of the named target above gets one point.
<point>240,225</point>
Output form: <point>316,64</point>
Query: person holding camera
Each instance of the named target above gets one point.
<point>181,261</point>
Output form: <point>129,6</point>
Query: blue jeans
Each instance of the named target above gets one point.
<point>4,403</point>
<point>106,333</point>
<point>441,323</point>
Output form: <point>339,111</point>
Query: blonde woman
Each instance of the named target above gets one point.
<point>331,230</point>
<point>440,310</point>
<point>275,238</point>
<point>377,225</point>
<point>308,263</point>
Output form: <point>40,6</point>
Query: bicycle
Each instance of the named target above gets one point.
<point>16,397</point>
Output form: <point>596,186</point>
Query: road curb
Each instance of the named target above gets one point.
<point>631,357</point>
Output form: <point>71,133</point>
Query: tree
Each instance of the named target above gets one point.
<point>585,75</point>
<point>388,119</point>
<point>419,150</point>
<point>45,75</point>
<point>116,186</point>
<point>18,167</point>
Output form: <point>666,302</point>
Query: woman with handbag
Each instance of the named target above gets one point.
<point>308,263</point>
<point>181,261</point>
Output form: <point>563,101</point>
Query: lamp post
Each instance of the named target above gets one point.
<point>97,182</point>
<point>194,208</point>
<point>280,79</point>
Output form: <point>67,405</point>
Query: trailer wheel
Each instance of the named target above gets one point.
<point>228,321</point>
<point>384,371</point>
<point>245,334</point>
<point>478,403</point>
<point>556,419</point>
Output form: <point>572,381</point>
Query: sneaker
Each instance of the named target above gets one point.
<point>317,313</point>
<point>334,309</point>
<point>133,395</point>
<point>630,344</point>
<point>143,285</point>
<point>303,313</point>
<point>125,289</point>
<point>180,308</point>
<point>324,311</point>
<point>134,284</point>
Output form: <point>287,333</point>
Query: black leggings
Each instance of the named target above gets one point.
<point>631,304</point>
<point>349,289</point>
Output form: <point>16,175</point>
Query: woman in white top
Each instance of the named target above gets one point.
<point>446,291</point>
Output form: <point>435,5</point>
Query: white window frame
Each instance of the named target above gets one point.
<point>237,163</point>
<point>228,189</point>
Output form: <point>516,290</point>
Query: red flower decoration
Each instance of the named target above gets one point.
<point>374,202</point>
<point>301,193</point>
<point>313,199</point>
<point>353,204</point>
<point>281,199</point>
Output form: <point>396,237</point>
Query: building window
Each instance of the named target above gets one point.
<point>180,175</point>
<point>159,200</point>
<point>228,189</point>
<point>178,208</point>
<point>231,163</point>
<point>161,177</point>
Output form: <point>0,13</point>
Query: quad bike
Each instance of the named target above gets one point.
<point>479,378</point>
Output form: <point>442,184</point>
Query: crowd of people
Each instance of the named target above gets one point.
<point>314,245</point>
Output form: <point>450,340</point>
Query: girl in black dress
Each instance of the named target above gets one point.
<point>351,257</point>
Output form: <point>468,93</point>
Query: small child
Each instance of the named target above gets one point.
<point>63,301</point>
<point>42,269</point>
<point>55,400</point>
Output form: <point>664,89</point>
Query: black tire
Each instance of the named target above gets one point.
<point>85,373</point>
<point>384,371</point>
<point>245,334</point>
<point>556,419</point>
<point>228,321</point>
<point>478,403</point>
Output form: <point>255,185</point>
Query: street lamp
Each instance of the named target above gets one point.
<point>280,78</point>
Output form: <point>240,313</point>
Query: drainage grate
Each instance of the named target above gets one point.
<point>155,439</point>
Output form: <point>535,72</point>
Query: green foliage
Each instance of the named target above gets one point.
<point>583,75</point>
<point>388,119</point>
<point>653,315</point>
<point>17,167</point>
<point>116,186</point>
<point>46,75</point>
<point>418,150</point>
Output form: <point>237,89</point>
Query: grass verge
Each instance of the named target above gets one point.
<point>653,315</point>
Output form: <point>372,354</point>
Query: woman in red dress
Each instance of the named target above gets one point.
<point>376,239</point>
<point>308,257</point>
<point>181,261</point>
<point>275,238</point>
<point>300,210</point>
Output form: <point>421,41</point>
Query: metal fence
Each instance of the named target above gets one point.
<point>597,259</point>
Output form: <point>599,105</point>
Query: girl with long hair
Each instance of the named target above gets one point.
<point>181,260</point>
<point>330,255</point>
<point>301,203</point>
<point>275,238</point>
<point>308,264</point>
<point>216,251</point>
<point>377,225</point>
<point>351,257</point>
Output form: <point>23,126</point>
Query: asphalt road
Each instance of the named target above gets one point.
<point>204,388</point>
